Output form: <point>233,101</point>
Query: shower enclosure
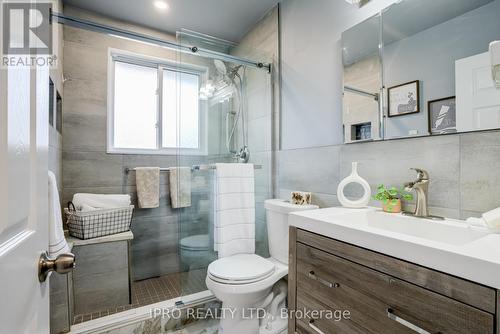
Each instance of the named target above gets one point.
<point>214,106</point>
<point>236,100</point>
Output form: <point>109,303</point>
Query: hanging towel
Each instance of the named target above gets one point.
<point>148,187</point>
<point>57,241</point>
<point>234,209</point>
<point>180,186</point>
<point>87,202</point>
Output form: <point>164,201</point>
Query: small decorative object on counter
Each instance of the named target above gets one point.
<point>301,197</point>
<point>391,198</point>
<point>354,178</point>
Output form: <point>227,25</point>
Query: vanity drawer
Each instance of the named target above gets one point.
<point>379,301</point>
<point>468,292</point>
<point>366,314</point>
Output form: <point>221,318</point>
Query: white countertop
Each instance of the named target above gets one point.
<point>476,257</point>
<point>108,238</point>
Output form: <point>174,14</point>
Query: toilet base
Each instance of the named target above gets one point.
<point>239,320</point>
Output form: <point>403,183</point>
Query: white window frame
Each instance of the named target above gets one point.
<point>160,64</point>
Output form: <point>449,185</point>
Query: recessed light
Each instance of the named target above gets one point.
<point>161,5</point>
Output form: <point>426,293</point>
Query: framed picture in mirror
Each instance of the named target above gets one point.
<point>442,116</point>
<point>404,99</point>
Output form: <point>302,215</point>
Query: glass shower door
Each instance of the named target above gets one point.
<point>235,118</point>
<point>195,134</point>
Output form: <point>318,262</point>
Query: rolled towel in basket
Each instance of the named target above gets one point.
<point>100,201</point>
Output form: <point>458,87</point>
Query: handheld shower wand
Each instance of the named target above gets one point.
<point>231,76</point>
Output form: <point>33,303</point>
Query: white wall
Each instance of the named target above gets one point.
<point>312,68</point>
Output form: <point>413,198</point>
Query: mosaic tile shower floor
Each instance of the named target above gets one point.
<point>154,290</point>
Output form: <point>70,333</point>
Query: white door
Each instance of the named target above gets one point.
<point>24,301</point>
<point>478,100</point>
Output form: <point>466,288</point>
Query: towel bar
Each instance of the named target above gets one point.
<point>193,168</point>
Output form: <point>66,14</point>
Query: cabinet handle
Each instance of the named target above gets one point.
<point>313,276</point>
<point>407,324</point>
<point>314,327</point>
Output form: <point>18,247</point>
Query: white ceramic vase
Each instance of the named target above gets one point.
<point>354,178</point>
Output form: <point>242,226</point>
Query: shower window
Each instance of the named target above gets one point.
<point>135,105</point>
<point>180,92</point>
<point>154,107</point>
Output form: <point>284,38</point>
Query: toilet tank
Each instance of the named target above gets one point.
<point>277,211</point>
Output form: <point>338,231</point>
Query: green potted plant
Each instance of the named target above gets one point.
<point>391,198</point>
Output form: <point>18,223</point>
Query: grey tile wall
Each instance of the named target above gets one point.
<point>464,170</point>
<point>480,171</point>
<point>156,231</point>
<point>101,279</point>
<point>262,91</point>
<point>60,304</point>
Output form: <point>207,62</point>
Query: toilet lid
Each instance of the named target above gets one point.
<point>241,268</point>
<point>195,242</point>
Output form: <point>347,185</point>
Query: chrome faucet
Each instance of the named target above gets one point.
<point>421,187</point>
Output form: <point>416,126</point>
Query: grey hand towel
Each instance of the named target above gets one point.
<point>148,186</point>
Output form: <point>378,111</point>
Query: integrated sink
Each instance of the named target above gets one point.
<point>445,231</point>
<point>451,246</point>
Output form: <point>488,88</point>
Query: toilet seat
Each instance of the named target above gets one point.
<point>240,269</point>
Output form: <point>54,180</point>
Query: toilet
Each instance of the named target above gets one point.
<point>243,282</point>
<point>195,252</point>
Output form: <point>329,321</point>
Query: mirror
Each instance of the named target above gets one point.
<point>362,81</point>
<point>436,67</point>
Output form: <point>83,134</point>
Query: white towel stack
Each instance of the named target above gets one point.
<point>90,202</point>
<point>57,241</point>
<point>234,209</point>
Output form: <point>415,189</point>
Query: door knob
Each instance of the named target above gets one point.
<point>62,264</point>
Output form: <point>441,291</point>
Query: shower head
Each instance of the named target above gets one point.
<point>220,66</point>
<point>225,71</point>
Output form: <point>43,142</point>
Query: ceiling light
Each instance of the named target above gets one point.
<point>161,5</point>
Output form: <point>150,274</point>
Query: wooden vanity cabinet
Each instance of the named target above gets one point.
<point>382,294</point>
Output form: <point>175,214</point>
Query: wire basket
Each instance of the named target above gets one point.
<point>98,223</point>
